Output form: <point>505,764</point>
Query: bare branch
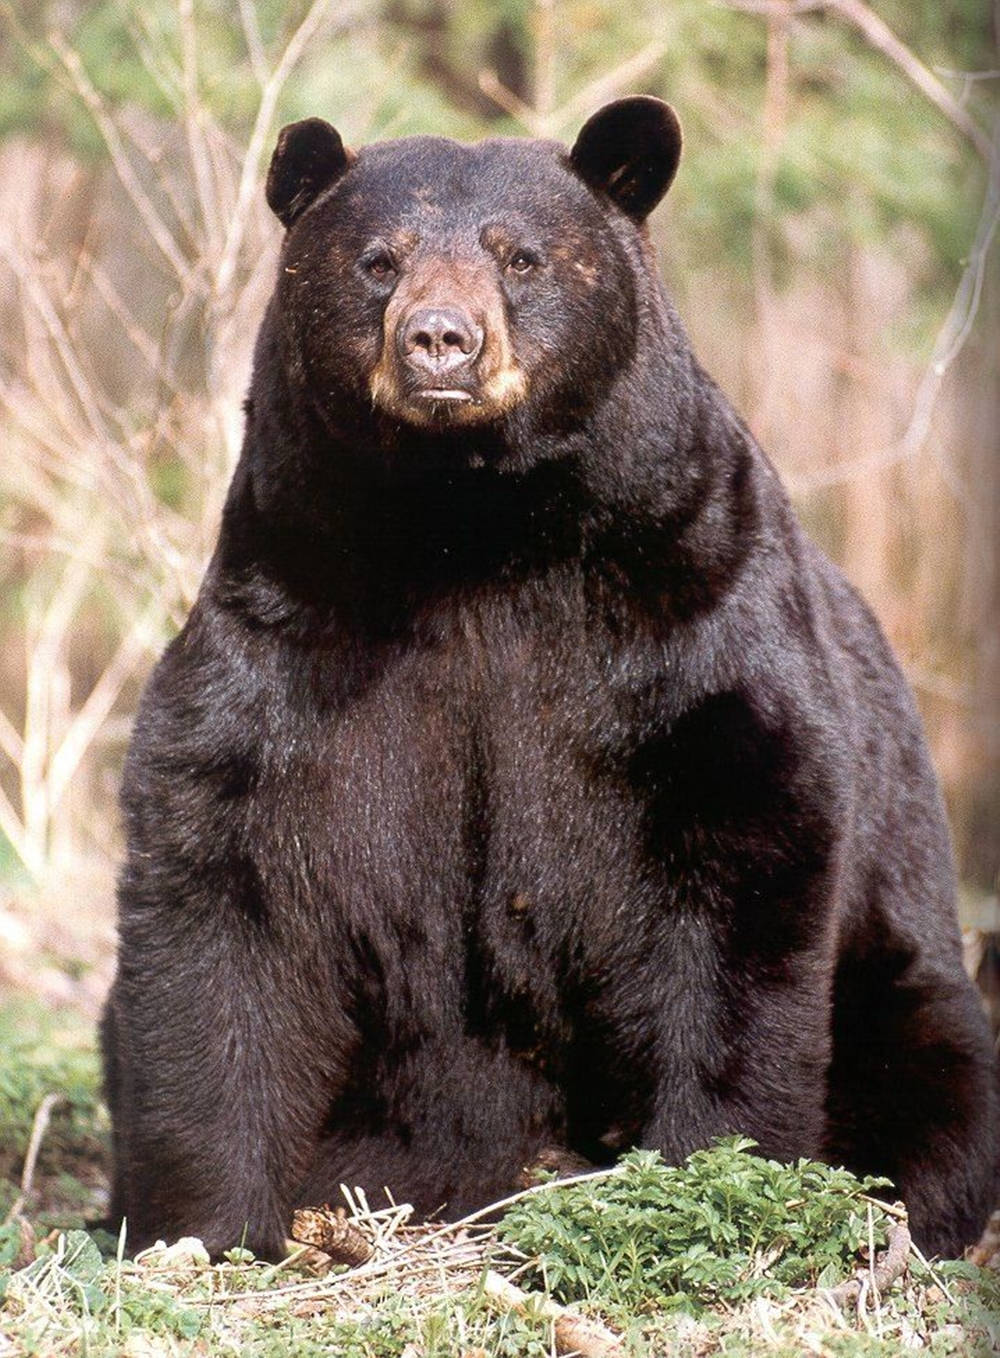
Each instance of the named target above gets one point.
<point>10,739</point>
<point>607,85</point>
<point>13,830</point>
<point>545,64</point>
<point>157,228</point>
<point>39,1126</point>
<point>251,35</point>
<point>194,128</point>
<point>153,155</point>
<point>140,340</point>
<point>596,92</point>
<point>46,634</point>
<point>249,179</point>
<point>42,304</point>
<point>493,88</point>
<point>164,73</point>
<point>91,716</point>
<point>774,119</point>
<point>951,338</point>
<point>880,36</point>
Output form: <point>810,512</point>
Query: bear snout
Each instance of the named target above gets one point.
<point>447,353</point>
<point>434,341</point>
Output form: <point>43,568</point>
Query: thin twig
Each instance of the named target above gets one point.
<point>10,739</point>
<point>545,65</point>
<point>39,1126</point>
<point>951,338</point>
<point>572,1332</point>
<point>501,1206</point>
<point>878,33</point>
<point>43,307</point>
<point>250,176</point>
<point>193,116</point>
<point>619,77</point>
<point>87,722</point>
<point>158,230</point>
<point>494,89</point>
<point>592,94</point>
<point>252,38</point>
<point>27,851</point>
<point>881,1273</point>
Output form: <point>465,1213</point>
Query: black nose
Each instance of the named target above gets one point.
<point>437,339</point>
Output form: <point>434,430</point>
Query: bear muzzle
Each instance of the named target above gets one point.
<point>444,360</point>
<point>438,347</point>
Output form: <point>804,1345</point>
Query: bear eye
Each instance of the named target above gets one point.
<point>522,261</point>
<point>381,265</point>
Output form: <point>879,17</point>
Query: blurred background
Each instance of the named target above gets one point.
<point>830,242</point>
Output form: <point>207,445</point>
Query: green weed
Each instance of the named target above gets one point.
<point>50,1052</point>
<point>724,1227</point>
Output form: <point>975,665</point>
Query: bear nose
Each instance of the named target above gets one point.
<point>438,338</point>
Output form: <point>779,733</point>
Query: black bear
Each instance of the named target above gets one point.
<point>522,777</point>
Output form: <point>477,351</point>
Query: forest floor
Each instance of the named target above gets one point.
<point>680,1277</point>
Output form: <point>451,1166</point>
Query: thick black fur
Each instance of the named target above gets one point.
<point>522,784</point>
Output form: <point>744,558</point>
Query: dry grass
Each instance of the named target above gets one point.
<point>430,1290</point>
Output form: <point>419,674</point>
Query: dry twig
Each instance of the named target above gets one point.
<point>572,1332</point>
<point>39,1127</point>
<point>880,1274</point>
<point>878,33</point>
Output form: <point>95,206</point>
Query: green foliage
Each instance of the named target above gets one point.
<point>68,1275</point>
<point>977,1305</point>
<point>45,1051</point>
<point>722,1228</point>
<point>71,1299</point>
<point>152,1311</point>
<point>10,1243</point>
<point>133,56</point>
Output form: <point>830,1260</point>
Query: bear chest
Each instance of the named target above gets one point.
<point>462,792</point>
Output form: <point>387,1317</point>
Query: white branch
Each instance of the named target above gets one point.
<point>951,337</point>
<point>194,129</point>
<point>249,179</point>
<point>89,719</point>
<point>155,224</point>
<point>880,36</point>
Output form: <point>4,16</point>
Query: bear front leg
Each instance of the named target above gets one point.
<point>217,1078</point>
<point>449,1126</point>
<point>747,1057</point>
<point>913,1093</point>
<point>704,1041</point>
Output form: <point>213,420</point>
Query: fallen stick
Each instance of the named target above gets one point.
<point>573,1333</point>
<point>888,1267</point>
<point>328,1229</point>
<point>39,1126</point>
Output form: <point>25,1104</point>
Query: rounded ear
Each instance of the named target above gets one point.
<point>308,158</point>
<point>629,150</point>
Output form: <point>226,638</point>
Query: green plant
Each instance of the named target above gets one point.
<point>45,1051</point>
<point>723,1227</point>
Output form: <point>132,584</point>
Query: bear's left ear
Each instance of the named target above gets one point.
<point>630,150</point>
<point>308,158</point>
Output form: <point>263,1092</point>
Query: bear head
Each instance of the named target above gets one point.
<point>427,285</point>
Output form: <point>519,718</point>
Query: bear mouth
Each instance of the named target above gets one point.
<point>446,400</point>
<point>450,395</point>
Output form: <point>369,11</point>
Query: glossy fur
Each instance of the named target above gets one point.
<point>522,777</point>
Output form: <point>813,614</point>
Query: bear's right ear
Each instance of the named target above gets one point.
<point>630,150</point>
<point>308,158</point>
